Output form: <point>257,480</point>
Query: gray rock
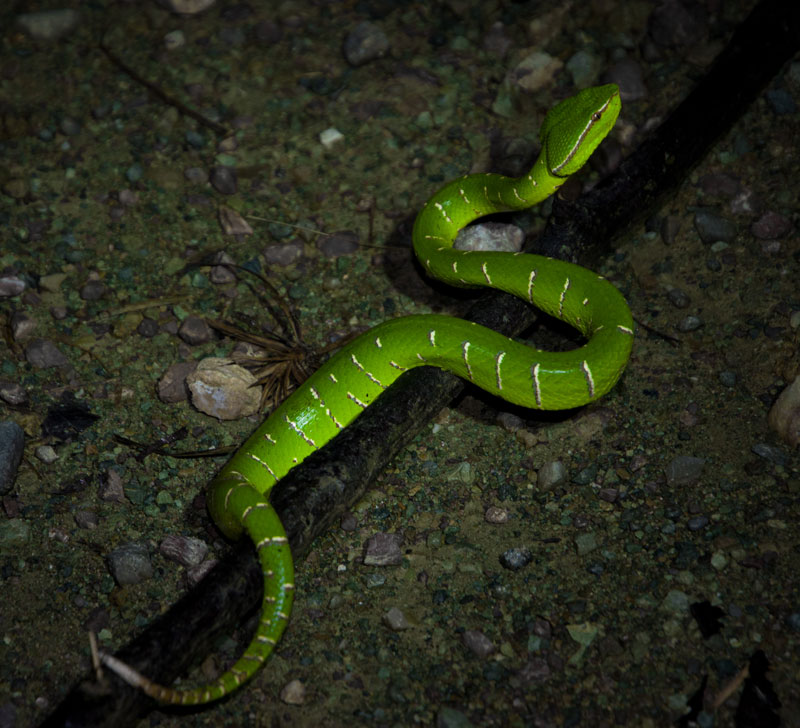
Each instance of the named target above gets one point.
<point>130,564</point>
<point>184,550</point>
<point>44,354</point>
<point>195,330</point>
<point>516,558</point>
<point>223,179</point>
<point>283,254</point>
<point>477,643</point>
<point>712,227</point>
<point>172,386</point>
<point>13,393</point>
<point>395,620</point>
<point>552,474</point>
<point>11,286</point>
<point>365,43</point>
<point>383,549</point>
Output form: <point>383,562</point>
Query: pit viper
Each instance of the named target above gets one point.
<point>238,497</point>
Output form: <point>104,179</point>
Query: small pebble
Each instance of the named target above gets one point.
<point>509,422</point>
<point>147,328</point>
<point>678,298</point>
<point>330,136</point>
<point>223,179</point>
<point>365,43</point>
<point>552,474</point>
<point>516,558</point>
<point>283,254</point>
<point>697,523</point>
<point>294,693</point>
<point>534,72</point>
<point>769,452</point>
<point>130,564</point>
<point>13,393</point>
<point>609,495</point>
<point>349,522</point>
<point>669,229</point>
<point>174,40</point>
<point>112,489</point>
<point>184,550</point>
<point>221,275</point>
<point>784,415</point>
<point>676,602</point>
<point>128,198</point>
<point>46,454</point>
<point>134,173</point>
<point>11,286</point>
<point>44,354</point>
<point>494,514</point>
<point>477,643</point>
<point>719,560</point>
<point>712,227</point>
<point>22,326</point>
<point>172,386</point>
<point>86,519</point>
<point>395,620</point>
<point>384,549</point>
<point>497,41</point>
<point>689,324</point>
<point>232,222</point>
<point>222,389</point>
<point>93,290</point>
<point>195,330</point>
<point>196,574</point>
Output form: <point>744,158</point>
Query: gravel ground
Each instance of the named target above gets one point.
<point>619,566</point>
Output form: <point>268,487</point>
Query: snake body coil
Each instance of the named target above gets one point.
<point>341,389</point>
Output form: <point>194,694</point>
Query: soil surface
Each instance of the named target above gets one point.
<point>595,569</point>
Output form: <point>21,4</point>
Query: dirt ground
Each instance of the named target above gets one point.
<point>668,550</point>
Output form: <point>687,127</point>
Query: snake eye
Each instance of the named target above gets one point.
<point>596,116</point>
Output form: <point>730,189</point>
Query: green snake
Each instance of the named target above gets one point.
<point>238,498</point>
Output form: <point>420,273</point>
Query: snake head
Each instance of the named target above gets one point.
<point>573,129</point>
